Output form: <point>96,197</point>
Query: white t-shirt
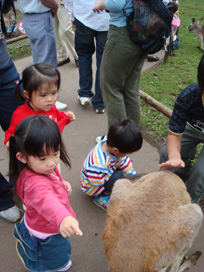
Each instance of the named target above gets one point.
<point>82,11</point>
<point>31,6</point>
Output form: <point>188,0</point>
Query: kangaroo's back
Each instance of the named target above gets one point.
<point>149,223</point>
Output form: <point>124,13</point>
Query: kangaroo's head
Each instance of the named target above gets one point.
<point>195,24</point>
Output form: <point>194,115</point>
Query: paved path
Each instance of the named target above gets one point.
<point>79,138</point>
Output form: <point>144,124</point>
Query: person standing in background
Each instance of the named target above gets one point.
<point>64,36</point>
<point>90,36</point>
<point>39,27</point>
<point>121,64</point>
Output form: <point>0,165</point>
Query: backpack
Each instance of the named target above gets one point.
<point>5,7</point>
<point>149,25</point>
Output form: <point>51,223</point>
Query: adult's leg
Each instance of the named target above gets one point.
<point>62,53</point>
<point>195,182</point>
<point>85,48</point>
<point>8,103</point>
<point>40,31</point>
<point>190,139</point>
<point>119,61</point>
<point>66,31</point>
<point>131,90</point>
<point>101,38</point>
<point>6,195</point>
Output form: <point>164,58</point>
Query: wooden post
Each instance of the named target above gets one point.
<point>21,37</point>
<point>156,104</point>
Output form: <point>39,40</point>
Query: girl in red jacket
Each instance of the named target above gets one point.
<point>41,83</point>
<point>42,235</point>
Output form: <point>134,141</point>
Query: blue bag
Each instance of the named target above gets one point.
<point>149,25</point>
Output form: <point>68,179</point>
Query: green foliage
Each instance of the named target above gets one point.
<point>167,81</point>
<point>16,53</point>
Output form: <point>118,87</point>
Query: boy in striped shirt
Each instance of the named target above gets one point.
<point>108,161</point>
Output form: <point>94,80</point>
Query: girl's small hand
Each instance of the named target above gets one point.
<point>68,187</point>
<point>69,226</point>
<point>72,116</point>
<point>118,163</point>
<point>7,145</point>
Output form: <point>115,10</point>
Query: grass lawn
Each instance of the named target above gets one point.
<point>167,81</point>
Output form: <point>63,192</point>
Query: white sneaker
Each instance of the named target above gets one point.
<point>100,111</point>
<point>60,106</point>
<point>85,101</point>
<point>11,215</point>
<point>101,138</point>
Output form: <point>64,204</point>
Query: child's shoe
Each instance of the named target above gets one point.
<point>102,201</point>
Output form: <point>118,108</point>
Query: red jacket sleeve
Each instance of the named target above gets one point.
<point>62,119</point>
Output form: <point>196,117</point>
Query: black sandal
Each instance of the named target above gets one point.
<point>152,58</point>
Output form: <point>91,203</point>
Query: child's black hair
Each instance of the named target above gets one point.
<point>200,75</point>
<point>125,135</point>
<point>172,6</point>
<point>34,76</point>
<point>34,135</point>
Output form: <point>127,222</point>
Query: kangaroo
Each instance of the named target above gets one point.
<point>151,224</point>
<point>198,30</point>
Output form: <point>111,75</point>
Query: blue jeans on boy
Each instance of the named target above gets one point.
<point>118,174</point>
<point>85,48</point>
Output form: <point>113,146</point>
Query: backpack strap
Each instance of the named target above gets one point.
<point>2,11</point>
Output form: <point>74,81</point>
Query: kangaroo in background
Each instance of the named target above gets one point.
<point>198,30</point>
<point>151,224</point>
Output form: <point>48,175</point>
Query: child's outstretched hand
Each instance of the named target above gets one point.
<point>69,226</point>
<point>7,145</point>
<point>118,163</point>
<point>72,116</point>
<point>68,187</point>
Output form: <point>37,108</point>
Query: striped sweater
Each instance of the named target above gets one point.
<point>98,167</point>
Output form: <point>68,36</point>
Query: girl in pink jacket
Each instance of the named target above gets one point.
<point>42,236</point>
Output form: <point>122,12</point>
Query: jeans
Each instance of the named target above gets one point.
<point>118,174</point>
<point>49,254</point>
<point>8,103</point>
<point>6,196</point>
<point>85,48</point>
